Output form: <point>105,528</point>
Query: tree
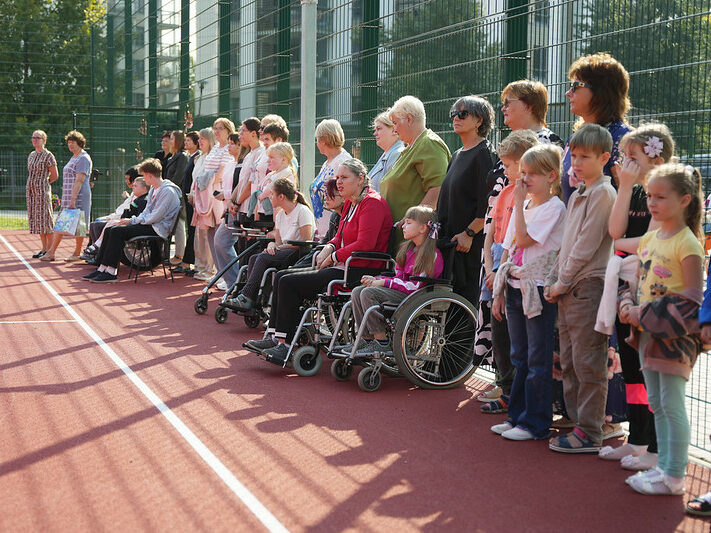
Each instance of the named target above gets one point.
<point>665,48</point>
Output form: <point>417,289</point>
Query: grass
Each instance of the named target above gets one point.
<point>10,222</point>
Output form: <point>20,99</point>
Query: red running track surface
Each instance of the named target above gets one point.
<point>83,449</point>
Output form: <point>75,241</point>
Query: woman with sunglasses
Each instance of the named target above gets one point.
<point>417,175</point>
<point>598,94</point>
<point>462,197</point>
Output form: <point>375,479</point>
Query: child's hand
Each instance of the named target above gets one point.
<point>628,172</point>
<point>706,333</point>
<point>367,280</point>
<point>489,280</point>
<point>553,292</point>
<point>633,315</point>
<point>520,192</point>
<point>498,308</point>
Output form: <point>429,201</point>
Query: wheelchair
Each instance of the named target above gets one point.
<point>432,332</point>
<point>322,322</point>
<point>258,231</point>
<point>259,313</point>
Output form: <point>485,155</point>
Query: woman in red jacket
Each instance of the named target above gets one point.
<point>365,226</point>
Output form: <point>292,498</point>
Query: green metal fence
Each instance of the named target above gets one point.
<point>239,58</point>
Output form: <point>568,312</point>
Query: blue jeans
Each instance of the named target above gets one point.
<point>531,402</point>
<point>224,253</point>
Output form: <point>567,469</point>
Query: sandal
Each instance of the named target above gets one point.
<point>644,461</point>
<point>698,506</point>
<point>496,407</point>
<point>656,486</point>
<point>610,453</point>
<point>47,257</point>
<point>573,443</point>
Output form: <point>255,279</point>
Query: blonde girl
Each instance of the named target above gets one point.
<point>664,317</point>
<point>531,245</point>
<point>644,149</point>
<point>417,256</point>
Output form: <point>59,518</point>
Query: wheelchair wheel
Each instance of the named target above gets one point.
<point>200,305</point>
<point>341,370</point>
<point>433,339</point>
<point>221,315</point>
<point>306,361</point>
<point>369,380</point>
<point>251,321</point>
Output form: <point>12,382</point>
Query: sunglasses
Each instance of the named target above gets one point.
<point>575,84</point>
<point>507,102</point>
<point>461,115</point>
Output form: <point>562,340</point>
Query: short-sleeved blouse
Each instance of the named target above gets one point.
<point>38,165</point>
<point>78,164</point>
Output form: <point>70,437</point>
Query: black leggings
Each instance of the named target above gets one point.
<point>641,419</point>
<point>293,287</point>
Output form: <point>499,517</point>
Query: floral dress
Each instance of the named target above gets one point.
<point>38,191</point>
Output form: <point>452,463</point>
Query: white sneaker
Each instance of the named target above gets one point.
<point>653,474</point>
<point>491,395</point>
<point>499,429</point>
<point>517,433</point>
<point>221,285</point>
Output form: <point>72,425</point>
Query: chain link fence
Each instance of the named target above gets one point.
<point>161,64</point>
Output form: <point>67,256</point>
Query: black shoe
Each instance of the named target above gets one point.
<point>277,355</point>
<point>93,262</point>
<point>189,272</point>
<point>104,277</point>
<point>180,269</point>
<point>92,275</point>
<point>39,254</point>
<point>262,344</point>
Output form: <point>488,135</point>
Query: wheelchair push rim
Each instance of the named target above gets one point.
<point>433,340</point>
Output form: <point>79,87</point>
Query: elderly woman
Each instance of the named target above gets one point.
<point>41,171</point>
<point>156,219</point>
<point>390,143</point>
<point>329,141</point>
<point>365,226</point>
<point>598,94</point>
<point>462,200</point>
<point>76,193</point>
<point>417,175</point>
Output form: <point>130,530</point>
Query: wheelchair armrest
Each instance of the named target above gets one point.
<point>431,281</point>
<point>387,274</point>
<point>146,238</point>
<point>303,244</point>
<point>262,224</point>
<point>371,255</point>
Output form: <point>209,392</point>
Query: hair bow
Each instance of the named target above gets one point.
<point>653,147</point>
<point>434,229</point>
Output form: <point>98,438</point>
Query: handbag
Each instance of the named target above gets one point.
<point>68,222</point>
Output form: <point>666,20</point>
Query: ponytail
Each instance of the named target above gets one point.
<point>286,187</point>
<point>684,179</point>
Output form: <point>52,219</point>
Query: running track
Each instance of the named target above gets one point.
<point>124,410</point>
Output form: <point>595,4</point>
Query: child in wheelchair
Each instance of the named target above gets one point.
<point>417,256</point>
<point>294,222</point>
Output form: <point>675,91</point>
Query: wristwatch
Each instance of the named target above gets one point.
<point>470,232</point>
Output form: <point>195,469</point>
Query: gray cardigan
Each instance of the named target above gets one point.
<point>161,209</point>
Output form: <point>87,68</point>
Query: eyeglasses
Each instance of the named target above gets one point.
<point>37,138</point>
<point>461,115</point>
<point>575,84</point>
<point>507,102</point>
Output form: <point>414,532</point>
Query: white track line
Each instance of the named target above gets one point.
<point>35,321</point>
<point>252,503</point>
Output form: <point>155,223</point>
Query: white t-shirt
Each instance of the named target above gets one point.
<point>545,225</point>
<point>249,168</point>
<point>228,177</point>
<point>289,226</point>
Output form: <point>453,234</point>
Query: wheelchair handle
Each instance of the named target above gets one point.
<point>371,255</point>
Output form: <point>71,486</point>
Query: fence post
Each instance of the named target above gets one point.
<point>283,60</point>
<point>370,42</point>
<point>223,81</point>
<point>516,40</point>
<point>308,92</point>
<point>184,94</point>
<point>128,52</point>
